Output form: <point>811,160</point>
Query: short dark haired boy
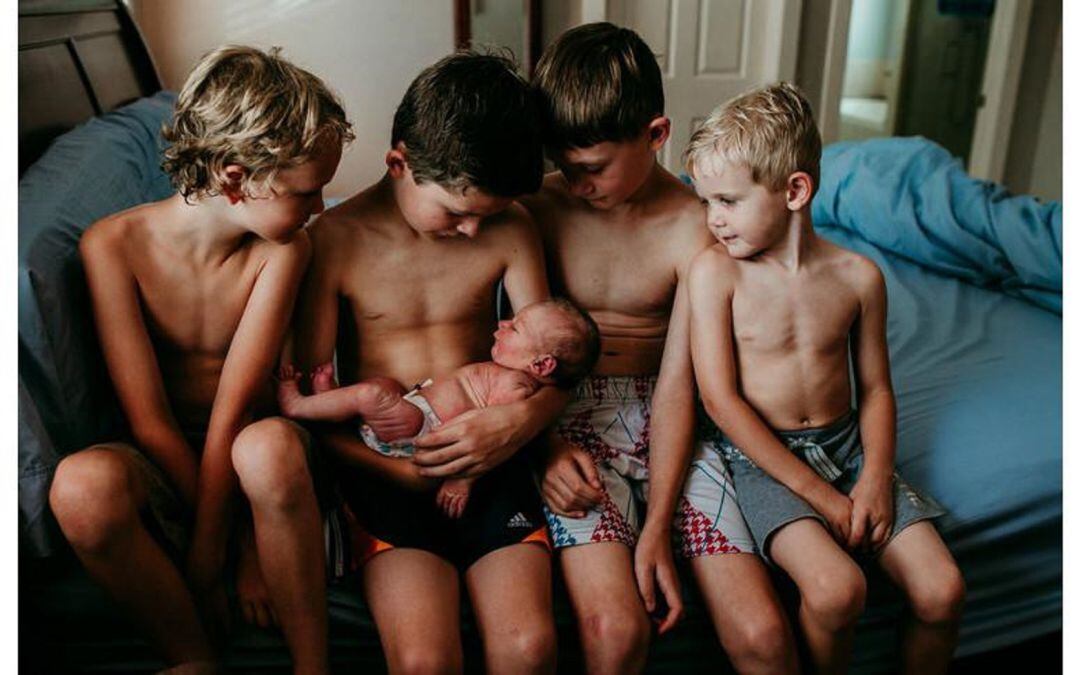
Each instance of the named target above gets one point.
<point>620,232</point>
<point>414,261</point>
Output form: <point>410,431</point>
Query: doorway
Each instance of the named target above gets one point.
<point>915,68</point>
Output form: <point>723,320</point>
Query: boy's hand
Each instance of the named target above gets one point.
<point>571,484</point>
<point>871,512</point>
<point>211,600</point>
<point>251,591</point>
<point>653,560</point>
<point>471,444</point>
<point>836,509</point>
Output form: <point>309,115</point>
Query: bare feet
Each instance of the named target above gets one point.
<point>322,378</point>
<point>288,390</point>
<point>453,495</point>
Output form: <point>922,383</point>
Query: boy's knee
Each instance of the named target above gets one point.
<point>837,599</point>
<point>761,639</point>
<point>93,498</point>
<point>423,660</point>
<point>531,648</point>
<point>617,633</point>
<point>270,461</point>
<point>940,601</point>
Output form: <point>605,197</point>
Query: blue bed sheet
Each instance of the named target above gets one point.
<point>974,290</point>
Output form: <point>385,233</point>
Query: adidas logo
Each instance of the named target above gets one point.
<point>519,520</point>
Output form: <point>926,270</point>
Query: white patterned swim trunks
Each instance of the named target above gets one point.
<point>608,417</point>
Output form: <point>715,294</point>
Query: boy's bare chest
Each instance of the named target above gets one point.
<point>612,269</point>
<point>195,309</point>
<point>772,317</point>
<point>405,287</point>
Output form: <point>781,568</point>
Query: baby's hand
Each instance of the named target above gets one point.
<point>288,389</point>
<point>871,512</point>
<point>453,496</point>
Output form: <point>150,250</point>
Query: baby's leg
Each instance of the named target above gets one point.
<point>453,496</point>
<point>921,565</point>
<point>832,590</point>
<point>377,397</point>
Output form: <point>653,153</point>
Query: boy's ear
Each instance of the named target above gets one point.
<point>396,161</point>
<point>800,189</point>
<point>543,366</point>
<point>232,183</point>
<point>658,132</point>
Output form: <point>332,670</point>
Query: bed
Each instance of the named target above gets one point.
<point>974,281</point>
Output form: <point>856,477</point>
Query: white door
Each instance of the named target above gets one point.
<point>710,51</point>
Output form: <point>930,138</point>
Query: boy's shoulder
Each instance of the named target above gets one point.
<point>712,266</point>
<point>858,271</point>
<point>119,232</point>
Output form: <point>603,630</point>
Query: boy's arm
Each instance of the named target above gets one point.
<point>252,355</point>
<point>872,496</point>
<point>132,363</point>
<point>670,446</point>
<point>713,351</point>
<point>479,440</point>
<point>315,337</point>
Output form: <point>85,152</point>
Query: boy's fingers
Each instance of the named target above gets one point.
<point>588,469</point>
<point>858,528</point>
<point>458,466</point>
<point>437,457</point>
<point>437,438</point>
<point>644,575</point>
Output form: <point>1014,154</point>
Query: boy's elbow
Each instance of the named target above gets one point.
<point>719,406</point>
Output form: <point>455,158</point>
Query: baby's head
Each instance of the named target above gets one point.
<point>754,161</point>
<point>553,341</point>
<point>251,109</point>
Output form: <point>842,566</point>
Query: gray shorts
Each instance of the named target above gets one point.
<point>835,453</point>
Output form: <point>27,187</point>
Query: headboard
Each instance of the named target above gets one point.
<point>77,59</point>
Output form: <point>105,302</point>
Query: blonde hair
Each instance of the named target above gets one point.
<point>241,105</point>
<point>769,130</point>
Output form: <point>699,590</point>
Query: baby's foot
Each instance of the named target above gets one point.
<point>453,496</point>
<point>288,390</point>
<point>322,378</point>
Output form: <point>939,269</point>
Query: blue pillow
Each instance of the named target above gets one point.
<point>66,399</point>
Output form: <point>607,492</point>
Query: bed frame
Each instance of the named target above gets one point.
<point>77,59</point>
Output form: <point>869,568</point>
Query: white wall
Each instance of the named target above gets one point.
<point>367,52</point>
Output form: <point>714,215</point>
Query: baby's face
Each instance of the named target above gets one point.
<point>520,341</point>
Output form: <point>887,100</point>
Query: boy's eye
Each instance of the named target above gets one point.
<point>593,169</point>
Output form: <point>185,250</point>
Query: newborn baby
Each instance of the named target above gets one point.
<point>546,343</point>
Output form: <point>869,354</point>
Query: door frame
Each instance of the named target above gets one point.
<point>1000,83</point>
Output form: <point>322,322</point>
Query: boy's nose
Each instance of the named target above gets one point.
<point>469,227</point>
<point>581,188</point>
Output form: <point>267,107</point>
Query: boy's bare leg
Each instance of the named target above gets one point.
<point>97,497</point>
<point>832,590</point>
<point>612,621</point>
<point>413,596</point>
<point>918,561</point>
<point>453,496</point>
<point>270,459</point>
<point>510,590</point>
<point>746,613</point>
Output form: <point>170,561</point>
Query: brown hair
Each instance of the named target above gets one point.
<point>575,344</point>
<point>244,106</point>
<point>471,120</point>
<point>598,82</point>
<point>769,130</point>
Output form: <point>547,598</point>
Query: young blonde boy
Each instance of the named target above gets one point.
<point>192,297</point>
<point>774,309</point>
<point>620,232</point>
<point>403,285</point>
